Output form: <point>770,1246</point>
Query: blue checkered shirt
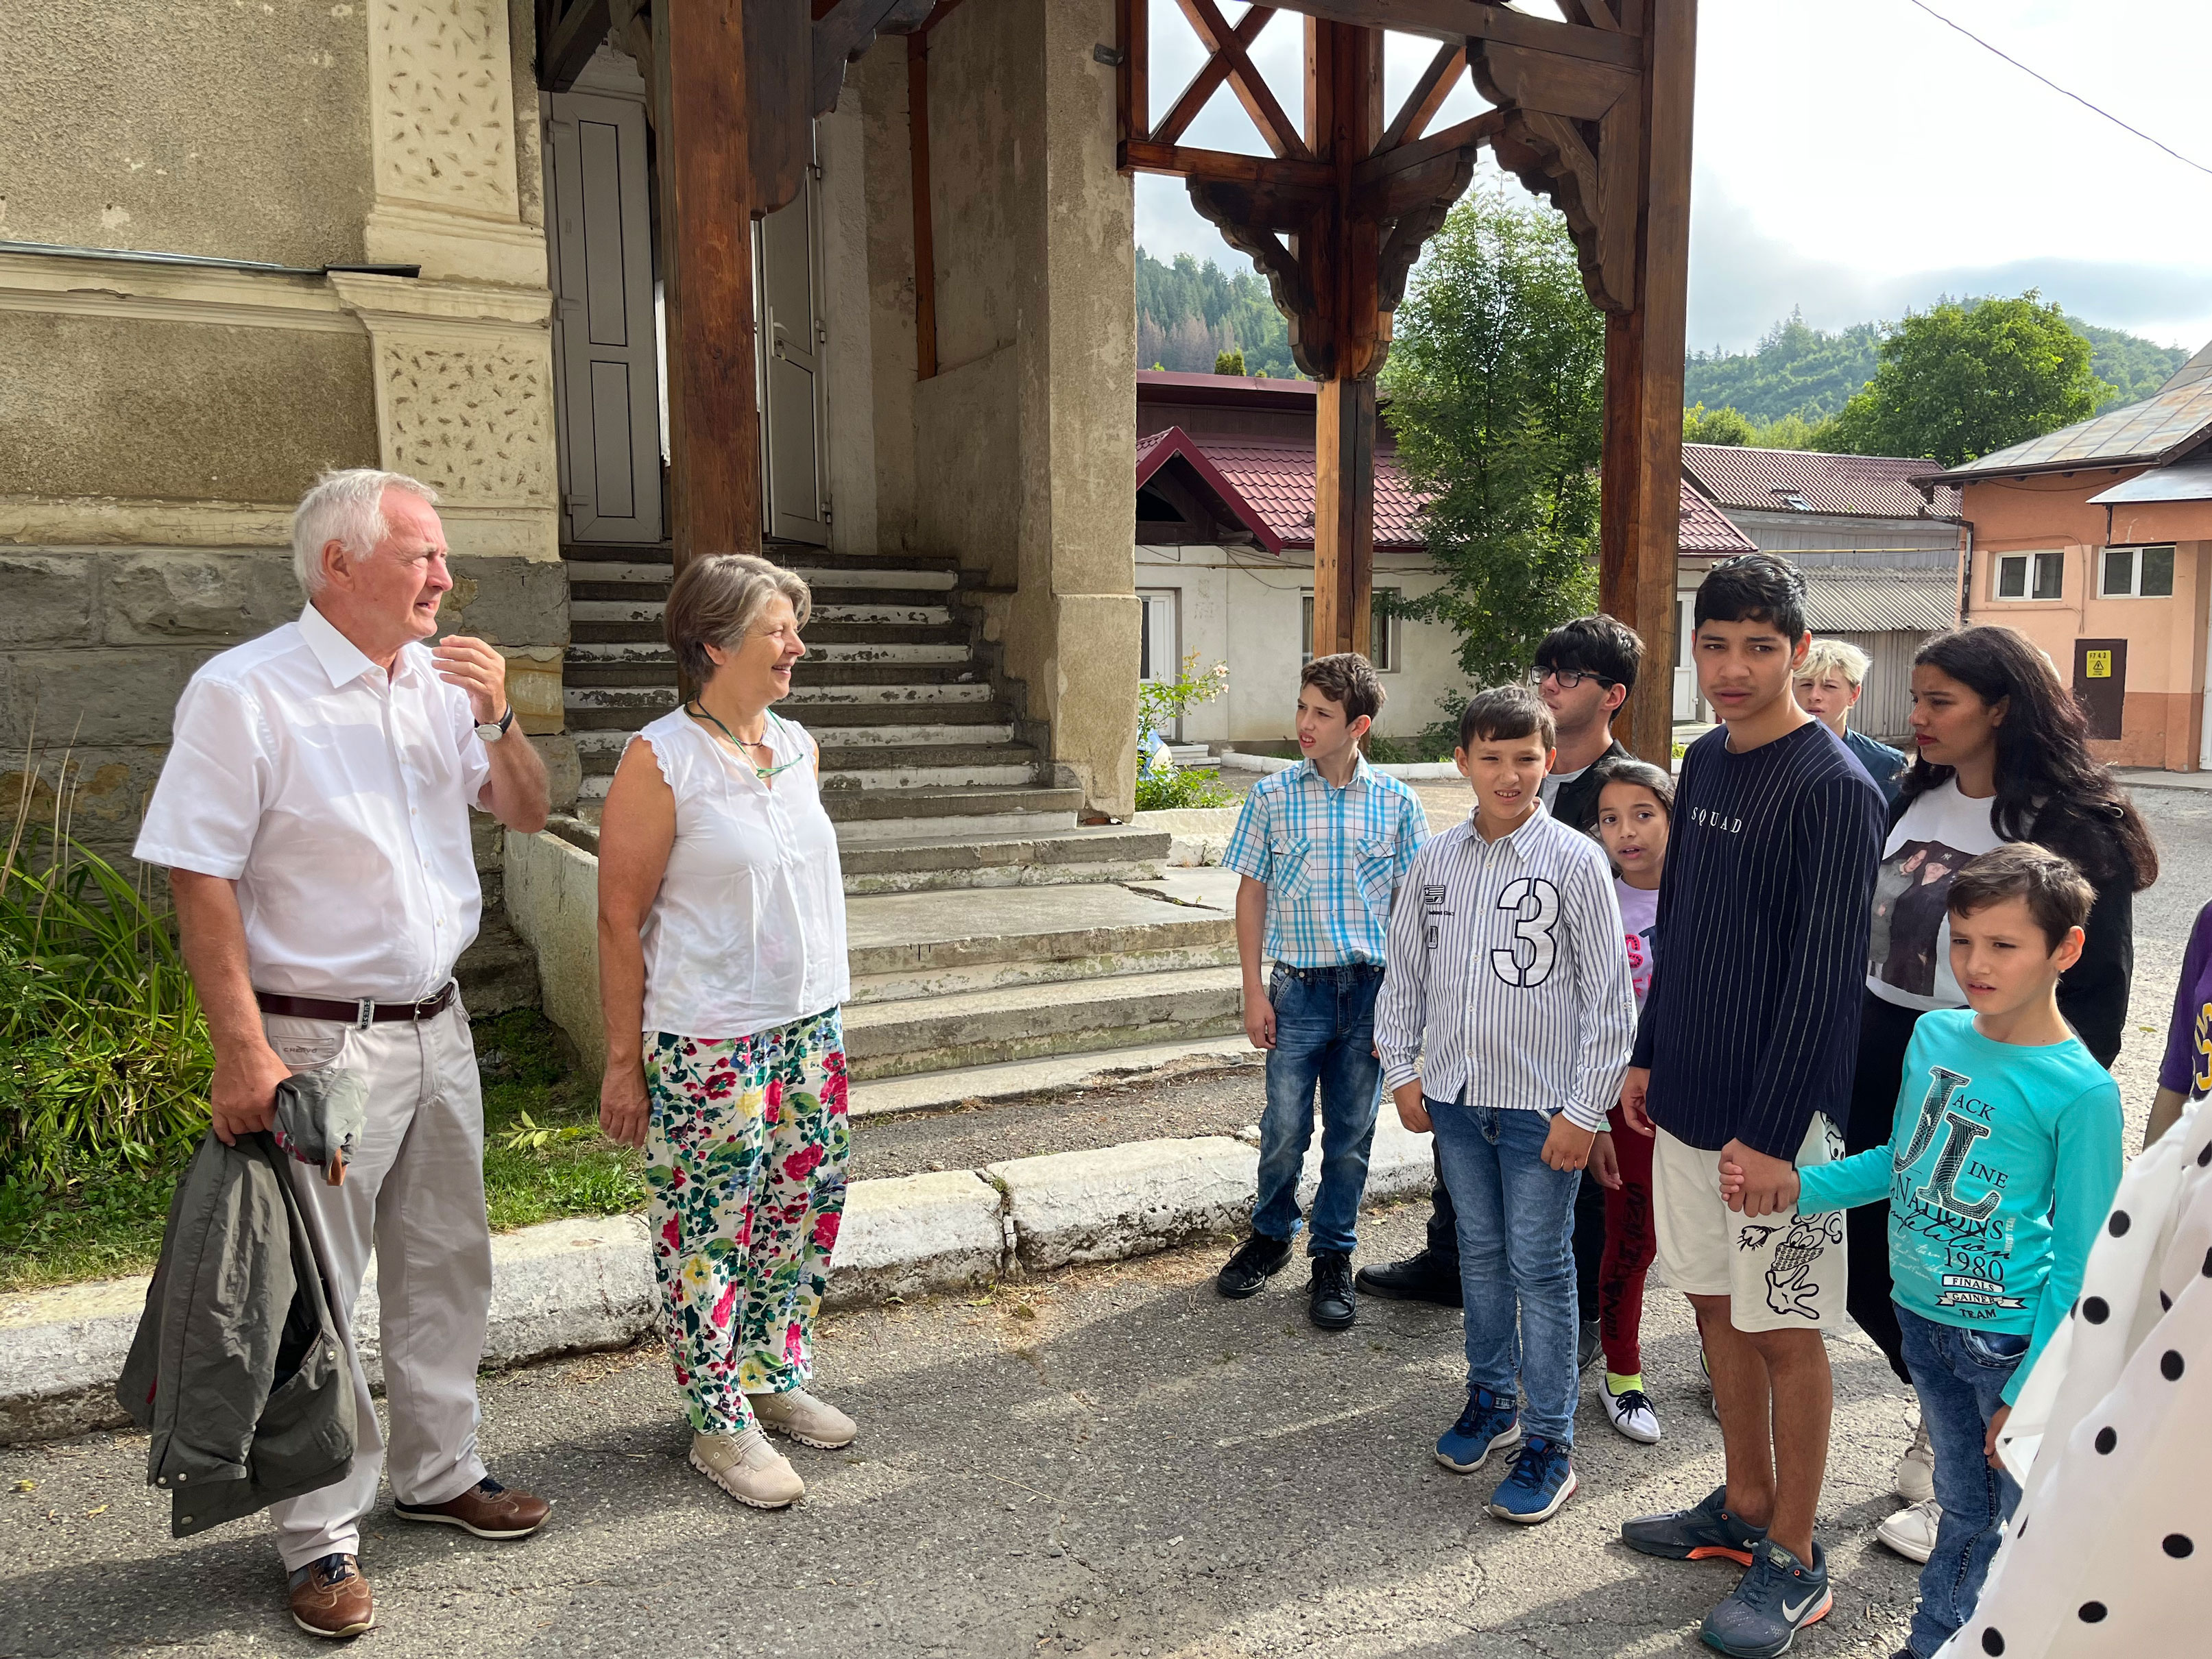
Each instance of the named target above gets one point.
<point>1332,860</point>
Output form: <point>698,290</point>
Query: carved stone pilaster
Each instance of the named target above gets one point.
<point>441,103</point>
<point>464,403</point>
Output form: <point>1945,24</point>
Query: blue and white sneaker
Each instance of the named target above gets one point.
<point>1542,1478</point>
<point>1490,1423</point>
<point>1776,1598</point>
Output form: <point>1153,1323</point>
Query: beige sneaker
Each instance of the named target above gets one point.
<point>748,1468</point>
<point>809,1421</point>
<point>1912,1531</point>
<point>1916,1468</point>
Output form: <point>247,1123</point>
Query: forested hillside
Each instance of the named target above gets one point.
<point>1188,314</point>
<point>1809,372</point>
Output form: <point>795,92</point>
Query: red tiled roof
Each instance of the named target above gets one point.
<point>1706,529</point>
<point>1268,483</point>
<point>1811,481</point>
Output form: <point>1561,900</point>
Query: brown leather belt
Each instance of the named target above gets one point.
<point>364,1013</point>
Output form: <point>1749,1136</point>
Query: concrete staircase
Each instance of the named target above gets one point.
<point>993,938</point>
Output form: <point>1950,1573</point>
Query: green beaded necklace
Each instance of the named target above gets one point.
<point>698,711</point>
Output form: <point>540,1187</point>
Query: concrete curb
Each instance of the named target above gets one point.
<point>579,1285</point>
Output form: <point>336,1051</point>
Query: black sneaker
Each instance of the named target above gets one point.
<point>1333,1307</point>
<point>1257,1259</point>
<point>1427,1277</point>
<point>1695,1534</point>
<point>1587,1345</point>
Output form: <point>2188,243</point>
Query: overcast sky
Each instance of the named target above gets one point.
<point>1857,159</point>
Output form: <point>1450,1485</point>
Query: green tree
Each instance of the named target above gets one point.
<point>1229,363</point>
<point>1496,384</point>
<point>1701,425</point>
<point>1960,380</point>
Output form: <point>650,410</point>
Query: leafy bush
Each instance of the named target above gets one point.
<point>1168,792</point>
<point>1433,742</point>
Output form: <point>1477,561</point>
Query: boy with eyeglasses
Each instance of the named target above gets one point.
<point>1584,670</point>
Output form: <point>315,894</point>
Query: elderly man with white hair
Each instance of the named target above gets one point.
<point>313,817</point>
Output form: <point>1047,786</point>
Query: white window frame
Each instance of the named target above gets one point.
<point>1385,659</point>
<point>2028,560</point>
<point>2133,588</point>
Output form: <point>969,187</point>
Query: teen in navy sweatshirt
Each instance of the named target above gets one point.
<point>1746,1046</point>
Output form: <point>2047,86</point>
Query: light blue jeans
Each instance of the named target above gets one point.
<point>1960,1375</point>
<point>1517,1266</point>
<point>1324,1038</point>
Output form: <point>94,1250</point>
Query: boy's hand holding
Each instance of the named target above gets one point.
<point>1754,1183</point>
<point>1604,1164</point>
<point>1633,1088</point>
<point>1568,1145</point>
<point>1412,1110</point>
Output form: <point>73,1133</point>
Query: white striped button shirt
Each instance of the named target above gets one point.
<point>1511,974</point>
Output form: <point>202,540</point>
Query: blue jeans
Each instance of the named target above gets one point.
<point>1959,1374</point>
<point>1324,1035</point>
<point>1517,1268</point>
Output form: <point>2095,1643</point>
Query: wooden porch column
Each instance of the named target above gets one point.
<point>1640,516</point>
<point>1344,516</point>
<point>1343,124</point>
<point>703,155</point>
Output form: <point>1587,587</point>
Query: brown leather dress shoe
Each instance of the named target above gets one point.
<point>487,1508</point>
<point>331,1598</point>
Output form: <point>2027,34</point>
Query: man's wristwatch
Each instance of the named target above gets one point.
<point>493,730</point>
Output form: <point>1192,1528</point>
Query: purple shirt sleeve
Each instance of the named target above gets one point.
<point>2188,1063</point>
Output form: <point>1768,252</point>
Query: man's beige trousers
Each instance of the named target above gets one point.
<point>415,1192</point>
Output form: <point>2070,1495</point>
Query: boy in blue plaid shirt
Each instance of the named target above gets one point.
<point>1321,848</point>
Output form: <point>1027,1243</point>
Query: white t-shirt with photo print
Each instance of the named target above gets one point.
<point>1909,946</point>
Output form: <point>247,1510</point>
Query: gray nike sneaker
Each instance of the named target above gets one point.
<point>1778,1597</point>
<point>1693,1534</point>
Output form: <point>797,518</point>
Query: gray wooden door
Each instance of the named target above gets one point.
<point>795,415</point>
<point>605,352</point>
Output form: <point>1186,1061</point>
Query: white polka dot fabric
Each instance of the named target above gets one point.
<point>2110,1551</point>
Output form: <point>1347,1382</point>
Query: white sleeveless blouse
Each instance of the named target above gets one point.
<point>748,930</point>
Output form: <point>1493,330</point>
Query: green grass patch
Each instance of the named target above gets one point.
<point>545,1158</point>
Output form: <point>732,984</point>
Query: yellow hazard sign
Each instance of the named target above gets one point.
<point>2098,664</point>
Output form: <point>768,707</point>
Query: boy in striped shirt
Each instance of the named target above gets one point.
<point>1504,1024</point>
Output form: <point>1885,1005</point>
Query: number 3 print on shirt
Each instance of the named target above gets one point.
<point>1534,929</point>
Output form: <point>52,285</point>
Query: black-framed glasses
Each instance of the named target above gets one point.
<point>1567,678</point>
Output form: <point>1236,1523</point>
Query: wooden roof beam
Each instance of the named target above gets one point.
<point>1458,20</point>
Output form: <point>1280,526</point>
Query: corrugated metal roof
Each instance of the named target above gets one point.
<point>1273,479</point>
<point>1813,481</point>
<point>2189,481</point>
<point>2158,429</point>
<point>1881,601</point>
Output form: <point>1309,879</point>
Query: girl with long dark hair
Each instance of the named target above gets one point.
<point>2001,754</point>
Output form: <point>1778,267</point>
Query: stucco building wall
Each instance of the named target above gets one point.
<point>2164,718</point>
<point>158,419</point>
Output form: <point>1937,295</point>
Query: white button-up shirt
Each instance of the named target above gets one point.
<point>338,799</point>
<point>1508,980</point>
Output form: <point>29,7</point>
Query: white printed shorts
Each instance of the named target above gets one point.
<point>1780,1273</point>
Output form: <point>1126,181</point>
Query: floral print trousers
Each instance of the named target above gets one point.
<point>745,1152</point>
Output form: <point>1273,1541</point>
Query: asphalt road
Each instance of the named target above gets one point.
<point>1111,1462</point>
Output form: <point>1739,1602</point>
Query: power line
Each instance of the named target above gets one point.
<point>2056,87</point>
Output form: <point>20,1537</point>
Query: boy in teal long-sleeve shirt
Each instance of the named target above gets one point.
<point>2001,1165</point>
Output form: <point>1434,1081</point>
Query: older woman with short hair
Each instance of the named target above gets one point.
<point>721,970</point>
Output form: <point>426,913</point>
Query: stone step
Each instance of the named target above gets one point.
<point>871,615</point>
<point>498,971</point>
<point>839,740</point>
<point>1036,803</point>
<point>970,1028</point>
<point>627,708</point>
<point>831,721</point>
<point>818,574</point>
<point>893,746</point>
<point>812,698</point>
<point>914,772</point>
<point>1035,855</point>
<point>638,609</point>
<point>1024,1080</point>
<point>858,653</point>
<point>934,943</point>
